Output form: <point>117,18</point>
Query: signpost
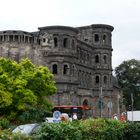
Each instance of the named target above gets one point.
<point>56,116</point>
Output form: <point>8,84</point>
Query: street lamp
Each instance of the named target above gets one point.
<point>101,102</point>
<point>132,101</point>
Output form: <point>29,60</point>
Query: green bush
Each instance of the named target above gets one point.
<point>132,131</point>
<point>100,129</point>
<point>4,123</point>
<point>8,135</point>
<point>90,129</point>
<point>59,131</point>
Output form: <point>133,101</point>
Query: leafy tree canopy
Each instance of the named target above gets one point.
<point>128,75</point>
<point>24,88</point>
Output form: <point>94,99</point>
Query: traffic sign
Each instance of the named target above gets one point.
<point>56,114</point>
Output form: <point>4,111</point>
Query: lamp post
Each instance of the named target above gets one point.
<point>132,101</point>
<point>101,93</point>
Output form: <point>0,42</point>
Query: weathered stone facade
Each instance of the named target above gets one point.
<point>80,58</point>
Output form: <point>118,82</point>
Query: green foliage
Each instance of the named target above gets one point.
<point>132,131</point>
<point>8,135</point>
<point>4,123</point>
<point>100,129</point>
<point>128,75</point>
<point>24,89</point>
<point>61,131</point>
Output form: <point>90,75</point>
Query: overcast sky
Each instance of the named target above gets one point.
<point>124,15</point>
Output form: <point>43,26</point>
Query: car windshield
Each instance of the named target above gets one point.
<point>25,129</point>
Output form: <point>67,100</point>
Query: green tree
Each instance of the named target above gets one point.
<point>24,89</point>
<point>128,75</point>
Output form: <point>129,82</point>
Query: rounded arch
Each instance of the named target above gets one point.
<point>105,80</point>
<point>104,38</point>
<point>54,68</point>
<point>73,44</point>
<point>66,69</point>
<point>105,59</point>
<point>55,41</point>
<point>65,42</point>
<point>96,37</point>
<point>97,79</point>
<point>97,58</point>
<point>73,69</point>
<point>85,102</point>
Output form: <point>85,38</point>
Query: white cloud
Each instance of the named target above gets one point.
<point>122,14</point>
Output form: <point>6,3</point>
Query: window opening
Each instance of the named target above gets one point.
<point>65,69</point>
<point>105,79</point>
<point>44,40</point>
<point>105,59</point>
<point>55,42</point>
<point>54,69</point>
<point>96,38</point>
<point>65,42</point>
<point>73,43</point>
<point>104,38</point>
<point>97,80</point>
<point>97,59</point>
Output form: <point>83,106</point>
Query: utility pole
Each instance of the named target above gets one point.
<point>101,92</point>
<point>132,101</point>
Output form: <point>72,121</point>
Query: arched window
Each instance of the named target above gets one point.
<point>54,68</point>
<point>73,70</point>
<point>104,38</point>
<point>44,40</point>
<point>96,58</point>
<point>65,42</point>
<point>85,102</point>
<point>73,44</point>
<point>97,80</point>
<point>96,38</point>
<point>55,42</point>
<point>11,38</point>
<point>88,56</point>
<point>105,79</point>
<point>105,59</point>
<point>65,69</point>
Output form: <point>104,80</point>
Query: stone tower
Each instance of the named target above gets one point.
<point>99,37</point>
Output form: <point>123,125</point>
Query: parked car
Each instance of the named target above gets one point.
<point>27,128</point>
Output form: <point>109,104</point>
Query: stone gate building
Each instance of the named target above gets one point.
<point>80,59</point>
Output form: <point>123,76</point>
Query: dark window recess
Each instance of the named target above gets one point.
<point>39,41</point>
<point>86,39</point>
<point>10,38</point>
<point>85,103</point>
<point>87,56</point>
<point>65,42</point>
<point>65,69</point>
<point>104,38</point>
<point>73,44</point>
<point>96,38</point>
<point>97,59</point>
<point>16,38</point>
<point>97,79</point>
<point>44,40</point>
<point>55,42</point>
<point>105,80</point>
<point>26,38</point>
<point>105,59</point>
<point>54,69</point>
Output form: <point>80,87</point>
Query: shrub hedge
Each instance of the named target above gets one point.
<point>8,135</point>
<point>90,129</point>
<point>99,129</point>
